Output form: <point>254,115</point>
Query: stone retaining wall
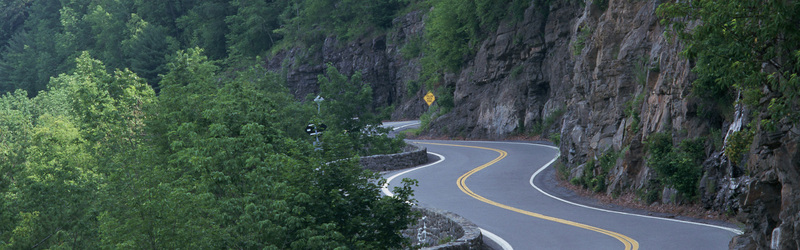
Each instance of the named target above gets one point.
<point>436,228</point>
<point>412,155</point>
<point>443,230</point>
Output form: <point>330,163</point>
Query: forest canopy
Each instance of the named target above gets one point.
<point>40,39</point>
<point>217,159</point>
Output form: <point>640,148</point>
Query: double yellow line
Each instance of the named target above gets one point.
<point>630,244</point>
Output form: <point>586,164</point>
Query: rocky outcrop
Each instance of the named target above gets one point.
<point>771,205</point>
<point>378,58</point>
<point>602,80</point>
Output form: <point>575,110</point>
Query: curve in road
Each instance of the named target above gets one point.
<point>628,242</point>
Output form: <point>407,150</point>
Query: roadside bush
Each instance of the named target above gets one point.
<point>602,166</point>
<point>678,167</point>
<point>738,144</point>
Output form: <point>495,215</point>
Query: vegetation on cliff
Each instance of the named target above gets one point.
<point>742,48</point>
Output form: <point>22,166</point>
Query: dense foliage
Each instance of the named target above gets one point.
<point>217,160</point>
<point>678,167</point>
<point>166,132</point>
<point>742,48</point>
<point>39,39</point>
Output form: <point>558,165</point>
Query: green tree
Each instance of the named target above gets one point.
<point>106,22</point>
<point>348,100</point>
<point>455,28</point>
<point>147,49</point>
<point>31,57</point>
<point>16,123</point>
<point>260,187</point>
<point>204,26</point>
<point>348,109</point>
<point>163,13</point>
<point>308,22</point>
<point>252,27</point>
<point>56,189</point>
<point>12,16</point>
<point>348,198</point>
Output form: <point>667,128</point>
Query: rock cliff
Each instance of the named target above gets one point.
<point>600,79</point>
<point>378,58</point>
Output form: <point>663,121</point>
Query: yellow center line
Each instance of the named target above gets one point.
<point>630,244</point>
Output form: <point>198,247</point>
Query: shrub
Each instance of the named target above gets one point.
<point>603,166</point>
<point>601,4</point>
<point>738,144</point>
<point>580,41</point>
<point>563,172</point>
<point>516,71</point>
<point>413,48</point>
<point>679,167</point>
<point>555,138</point>
<point>632,107</point>
<point>540,128</point>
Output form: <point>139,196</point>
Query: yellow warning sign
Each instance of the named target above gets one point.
<point>429,98</point>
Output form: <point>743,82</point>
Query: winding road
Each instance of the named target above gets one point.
<point>496,185</point>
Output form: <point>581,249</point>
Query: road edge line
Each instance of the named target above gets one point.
<point>385,187</point>
<point>385,190</point>
<point>497,239</point>
<point>733,230</point>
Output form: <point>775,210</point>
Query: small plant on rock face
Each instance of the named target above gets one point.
<point>651,193</point>
<point>640,69</point>
<point>412,87</point>
<point>738,144</point>
<point>445,240</point>
<point>601,4</point>
<point>595,172</point>
<point>580,42</point>
<point>547,122</point>
<point>555,138</point>
<point>575,181</point>
<point>413,48</point>
<point>516,71</point>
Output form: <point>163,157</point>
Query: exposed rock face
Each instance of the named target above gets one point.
<point>377,58</point>
<point>607,79</point>
<point>772,204</point>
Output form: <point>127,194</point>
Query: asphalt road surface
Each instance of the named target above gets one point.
<point>496,186</point>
